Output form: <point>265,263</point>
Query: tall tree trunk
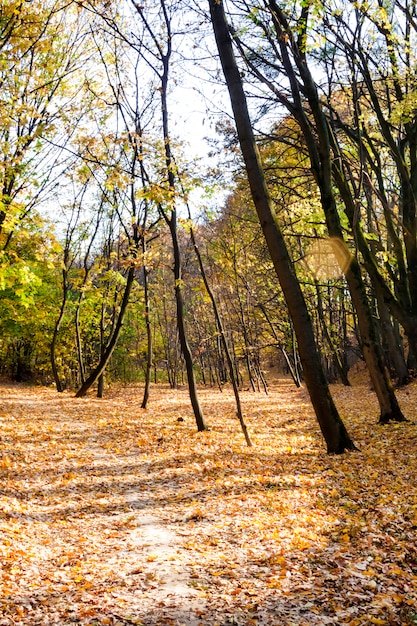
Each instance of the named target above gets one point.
<point>371,348</point>
<point>185,348</point>
<point>327,172</point>
<point>170,216</point>
<point>100,382</point>
<point>149,353</point>
<point>331,425</point>
<point>80,357</point>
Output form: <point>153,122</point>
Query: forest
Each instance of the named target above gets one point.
<point>291,244</point>
<point>210,206</point>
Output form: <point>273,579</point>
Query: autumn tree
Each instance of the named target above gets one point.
<point>157,53</point>
<point>42,50</point>
<point>371,108</point>
<point>242,249</point>
<point>29,294</point>
<point>286,56</point>
<point>332,427</point>
<point>44,56</point>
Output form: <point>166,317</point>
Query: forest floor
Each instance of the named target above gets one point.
<point>110,514</point>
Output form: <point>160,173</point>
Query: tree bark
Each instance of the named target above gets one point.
<point>80,357</point>
<point>185,348</point>
<point>331,425</point>
<point>170,216</point>
<point>326,172</point>
<point>389,407</point>
<point>149,353</point>
<point>395,354</point>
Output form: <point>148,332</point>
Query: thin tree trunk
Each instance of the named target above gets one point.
<point>220,328</point>
<point>331,425</point>
<point>149,353</point>
<point>105,358</point>
<point>292,371</point>
<point>185,348</point>
<point>87,269</point>
<point>58,384</point>
<point>170,216</point>
<point>336,358</point>
<point>100,382</point>
<point>80,357</point>
<point>295,356</point>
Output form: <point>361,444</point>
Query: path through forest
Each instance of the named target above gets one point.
<point>114,515</point>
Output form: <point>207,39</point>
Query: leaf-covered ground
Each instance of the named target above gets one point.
<point>110,514</point>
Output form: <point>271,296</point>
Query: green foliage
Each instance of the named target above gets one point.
<point>28,296</point>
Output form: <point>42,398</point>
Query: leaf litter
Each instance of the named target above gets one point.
<point>110,514</point>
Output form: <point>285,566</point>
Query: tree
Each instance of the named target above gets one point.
<point>42,51</point>
<point>28,302</point>
<point>331,425</point>
<point>220,328</point>
<point>287,56</point>
<point>376,145</point>
<point>158,56</point>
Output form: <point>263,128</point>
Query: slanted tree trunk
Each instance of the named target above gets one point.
<point>185,348</point>
<point>371,348</point>
<point>331,425</point>
<point>225,345</point>
<point>108,351</point>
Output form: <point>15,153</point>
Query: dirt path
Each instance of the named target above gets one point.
<point>158,585</point>
<point>167,581</point>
